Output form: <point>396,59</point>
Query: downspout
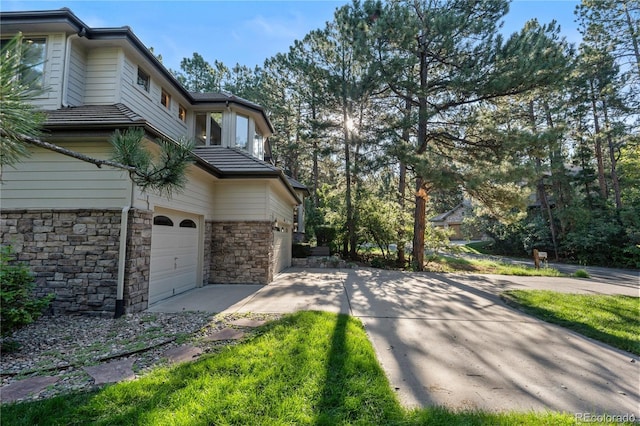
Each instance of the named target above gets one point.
<point>122,256</point>
<point>67,71</point>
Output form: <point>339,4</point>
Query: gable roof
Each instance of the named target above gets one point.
<point>443,216</point>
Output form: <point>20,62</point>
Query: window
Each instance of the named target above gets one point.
<point>165,99</point>
<point>187,223</point>
<point>242,131</point>
<point>258,145</point>
<point>182,113</point>
<point>162,221</point>
<point>143,80</point>
<point>209,128</point>
<point>32,53</point>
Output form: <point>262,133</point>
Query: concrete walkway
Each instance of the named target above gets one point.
<point>449,340</point>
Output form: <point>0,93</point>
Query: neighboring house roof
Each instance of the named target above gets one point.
<point>443,216</point>
<point>237,163</point>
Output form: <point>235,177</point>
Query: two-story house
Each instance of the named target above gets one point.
<point>94,238</point>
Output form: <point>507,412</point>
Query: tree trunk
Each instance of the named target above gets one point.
<point>316,171</point>
<point>540,187</point>
<point>402,187</point>
<point>419,219</point>
<point>419,225</point>
<point>633,34</point>
<point>615,182</point>
<point>598,146</point>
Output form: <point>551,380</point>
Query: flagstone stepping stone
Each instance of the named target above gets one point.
<point>247,322</point>
<point>24,388</point>
<point>182,353</point>
<point>111,372</point>
<point>225,334</point>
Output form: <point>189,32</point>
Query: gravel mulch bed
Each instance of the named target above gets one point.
<point>63,345</point>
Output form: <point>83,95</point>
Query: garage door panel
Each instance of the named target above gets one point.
<point>281,249</point>
<point>174,257</point>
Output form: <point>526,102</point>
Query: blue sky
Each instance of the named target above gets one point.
<point>247,32</point>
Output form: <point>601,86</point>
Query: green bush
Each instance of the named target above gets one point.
<point>581,273</point>
<point>325,235</point>
<point>18,304</point>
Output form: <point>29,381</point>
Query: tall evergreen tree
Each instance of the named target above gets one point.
<point>458,63</point>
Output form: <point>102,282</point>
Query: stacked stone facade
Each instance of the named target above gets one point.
<point>240,252</point>
<point>138,260</point>
<point>73,254</point>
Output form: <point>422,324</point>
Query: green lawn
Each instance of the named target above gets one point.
<point>306,368</point>
<point>614,320</point>
<point>483,266</point>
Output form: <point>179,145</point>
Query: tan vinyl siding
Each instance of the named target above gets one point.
<point>148,104</point>
<point>280,203</point>
<point>77,75</point>
<point>237,200</point>
<point>54,181</point>
<point>102,76</point>
<point>197,197</point>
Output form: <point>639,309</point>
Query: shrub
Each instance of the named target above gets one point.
<point>325,235</point>
<point>18,304</point>
<point>581,273</point>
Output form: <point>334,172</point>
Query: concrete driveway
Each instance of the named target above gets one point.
<point>447,339</point>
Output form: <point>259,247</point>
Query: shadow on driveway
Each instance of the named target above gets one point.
<point>446,339</point>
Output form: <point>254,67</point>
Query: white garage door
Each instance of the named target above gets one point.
<point>174,254</point>
<point>281,249</point>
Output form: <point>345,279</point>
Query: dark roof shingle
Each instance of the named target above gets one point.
<point>92,115</point>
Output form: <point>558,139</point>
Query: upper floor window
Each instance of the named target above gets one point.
<point>209,128</point>
<point>242,131</point>
<point>182,113</point>
<point>258,145</point>
<point>32,52</point>
<point>143,80</point>
<point>165,99</point>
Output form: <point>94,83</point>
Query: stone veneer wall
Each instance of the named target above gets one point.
<point>241,252</point>
<point>138,261</point>
<point>73,253</point>
<point>208,252</point>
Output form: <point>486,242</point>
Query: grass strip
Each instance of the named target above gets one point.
<point>483,266</point>
<point>612,319</point>
<point>308,368</point>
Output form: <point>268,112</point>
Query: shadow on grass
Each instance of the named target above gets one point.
<point>598,332</point>
<point>307,368</point>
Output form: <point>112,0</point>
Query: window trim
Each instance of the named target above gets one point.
<point>182,113</point>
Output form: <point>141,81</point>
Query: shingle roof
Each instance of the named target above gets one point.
<point>235,161</point>
<point>92,115</point>
<point>443,216</point>
<point>297,185</point>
